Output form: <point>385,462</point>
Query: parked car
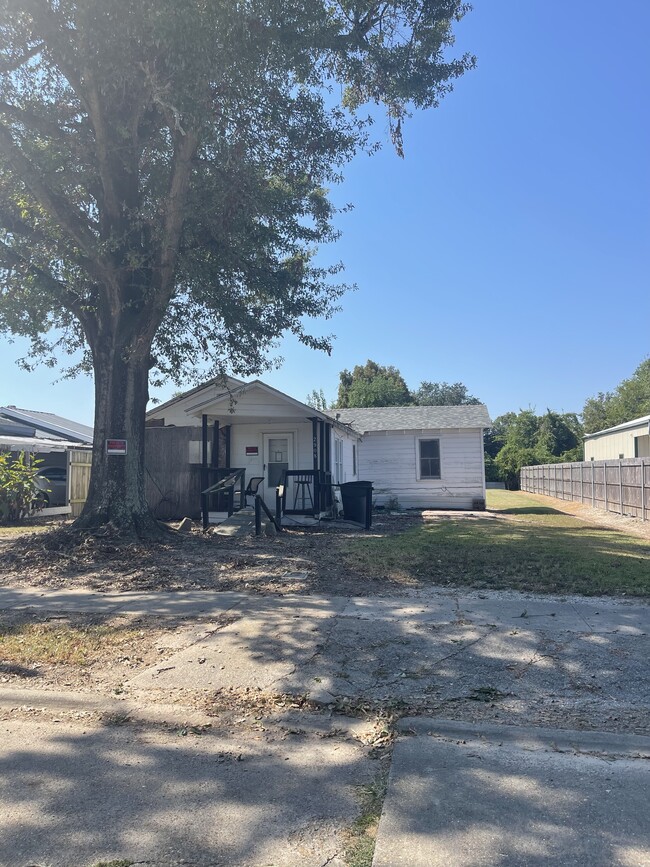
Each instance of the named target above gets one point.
<point>52,483</point>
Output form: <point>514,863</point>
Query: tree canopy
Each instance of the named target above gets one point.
<point>164,173</point>
<point>443,394</point>
<point>629,400</point>
<point>521,439</point>
<point>372,384</point>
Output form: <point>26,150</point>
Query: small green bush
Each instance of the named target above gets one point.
<point>19,493</point>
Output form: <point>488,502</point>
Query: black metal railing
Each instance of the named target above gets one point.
<point>218,495</point>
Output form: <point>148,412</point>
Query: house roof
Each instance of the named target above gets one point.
<point>207,398</point>
<point>49,425</point>
<point>226,383</point>
<point>635,422</point>
<point>365,420</point>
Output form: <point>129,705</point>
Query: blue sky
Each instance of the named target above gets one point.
<point>510,249</point>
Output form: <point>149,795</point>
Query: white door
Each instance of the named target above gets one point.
<point>278,457</point>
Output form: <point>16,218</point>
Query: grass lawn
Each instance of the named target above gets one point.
<point>526,546</point>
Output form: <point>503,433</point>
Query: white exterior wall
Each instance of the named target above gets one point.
<point>349,441</point>
<point>390,460</point>
<point>610,446</point>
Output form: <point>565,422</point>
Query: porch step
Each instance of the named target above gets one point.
<point>239,524</point>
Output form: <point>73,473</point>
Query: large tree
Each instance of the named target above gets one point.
<point>372,384</point>
<point>164,167</point>
<point>444,394</point>
<point>630,399</point>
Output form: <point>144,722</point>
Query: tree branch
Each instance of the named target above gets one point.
<point>69,219</point>
<point>10,258</point>
<point>186,148</point>
<point>16,63</point>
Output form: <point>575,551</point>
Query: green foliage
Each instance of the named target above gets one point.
<point>372,384</point>
<point>317,399</point>
<point>629,400</point>
<point>18,489</point>
<point>524,439</point>
<point>165,166</point>
<point>443,394</point>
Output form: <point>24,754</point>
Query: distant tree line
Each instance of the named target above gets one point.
<point>373,384</point>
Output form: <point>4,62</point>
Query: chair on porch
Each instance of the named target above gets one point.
<point>303,491</point>
<point>251,488</point>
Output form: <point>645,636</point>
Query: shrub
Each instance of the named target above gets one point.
<point>19,492</point>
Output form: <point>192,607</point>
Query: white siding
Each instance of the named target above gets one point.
<point>390,460</point>
<point>610,446</point>
<point>349,440</point>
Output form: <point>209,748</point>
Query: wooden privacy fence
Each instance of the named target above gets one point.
<point>79,463</point>
<point>172,483</point>
<point>617,486</point>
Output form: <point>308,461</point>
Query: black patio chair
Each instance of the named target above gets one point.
<point>251,488</point>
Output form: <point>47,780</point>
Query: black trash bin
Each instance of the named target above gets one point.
<point>356,498</point>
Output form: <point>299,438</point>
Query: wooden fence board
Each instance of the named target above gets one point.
<point>620,486</point>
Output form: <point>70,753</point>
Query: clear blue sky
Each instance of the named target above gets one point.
<point>510,250</point>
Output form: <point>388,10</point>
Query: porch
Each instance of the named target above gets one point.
<point>286,464</point>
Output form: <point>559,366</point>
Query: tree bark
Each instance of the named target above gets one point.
<point>116,497</point>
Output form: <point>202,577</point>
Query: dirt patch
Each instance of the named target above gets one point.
<point>305,560</point>
<point>80,651</point>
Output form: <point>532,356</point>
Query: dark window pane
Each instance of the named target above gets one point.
<point>429,448</point>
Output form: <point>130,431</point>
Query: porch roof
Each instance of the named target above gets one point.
<point>257,403</point>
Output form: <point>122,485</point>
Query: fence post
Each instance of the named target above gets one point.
<point>582,483</point>
<point>620,484</point>
<point>258,516</point>
<point>593,485</point>
<point>643,490</point>
<point>605,481</point>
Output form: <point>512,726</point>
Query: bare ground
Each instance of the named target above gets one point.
<point>305,560</point>
<point>296,561</point>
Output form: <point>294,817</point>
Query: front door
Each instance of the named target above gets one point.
<point>278,457</point>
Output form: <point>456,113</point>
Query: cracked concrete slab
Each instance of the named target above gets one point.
<point>73,795</point>
<point>259,650</point>
<point>463,796</point>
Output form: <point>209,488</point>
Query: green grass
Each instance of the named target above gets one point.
<point>526,547</point>
<point>361,835</point>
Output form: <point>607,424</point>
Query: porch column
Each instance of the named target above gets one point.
<point>328,447</point>
<point>227,435</point>
<point>215,444</point>
<point>314,449</point>
<point>205,505</point>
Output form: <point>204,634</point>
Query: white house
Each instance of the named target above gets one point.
<point>422,456</point>
<point>628,440</point>
<point>425,457</point>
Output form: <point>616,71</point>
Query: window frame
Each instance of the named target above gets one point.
<point>338,464</point>
<point>419,459</point>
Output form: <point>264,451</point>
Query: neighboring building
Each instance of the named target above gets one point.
<point>63,448</point>
<point>628,440</point>
<point>423,456</point>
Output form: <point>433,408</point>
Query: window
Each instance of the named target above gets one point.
<point>338,461</point>
<point>429,459</point>
<point>354,460</point>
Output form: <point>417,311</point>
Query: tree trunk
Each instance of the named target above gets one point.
<point>116,497</point>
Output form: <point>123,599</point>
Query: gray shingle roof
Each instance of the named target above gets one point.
<point>364,420</point>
